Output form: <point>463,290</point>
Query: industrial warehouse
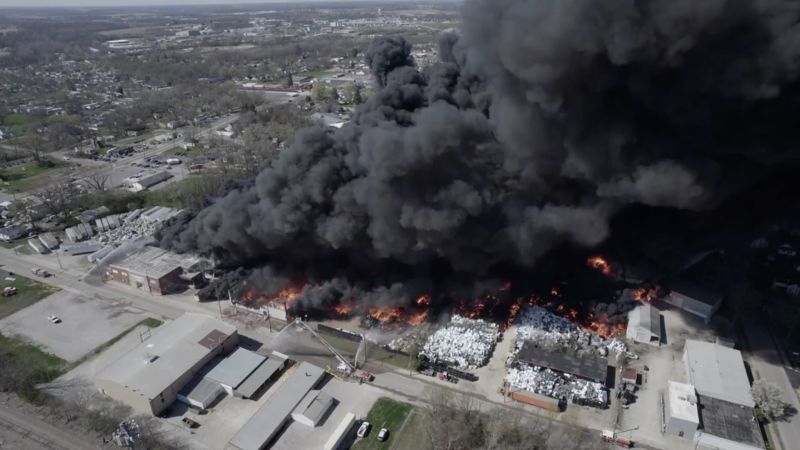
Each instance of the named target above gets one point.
<point>156,271</point>
<point>714,407</point>
<point>193,359</point>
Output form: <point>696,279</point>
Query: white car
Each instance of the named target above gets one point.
<point>383,434</point>
<point>53,319</point>
<point>363,430</point>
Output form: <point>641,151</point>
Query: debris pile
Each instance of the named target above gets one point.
<point>557,385</point>
<point>554,332</point>
<point>464,343</point>
<point>406,343</point>
<point>135,224</point>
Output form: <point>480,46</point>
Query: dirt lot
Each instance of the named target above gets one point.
<point>86,323</point>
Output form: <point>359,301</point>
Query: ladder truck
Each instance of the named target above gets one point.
<point>345,367</point>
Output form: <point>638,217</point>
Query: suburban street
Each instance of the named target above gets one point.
<point>766,363</point>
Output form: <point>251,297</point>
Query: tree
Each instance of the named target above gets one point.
<point>97,182</point>
<point>59,198</point>
<point>319,92</point>
<point>768,398</point>
<point>289,79</point>
<point>353,94</point>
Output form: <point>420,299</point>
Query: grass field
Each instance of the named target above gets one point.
<point>23,177</point>
<point>412,435</point>
<point>384,413</point>
<point>25,366</point>
<point>14,120</point>
<point>28,293</point>
<point>136,139</point>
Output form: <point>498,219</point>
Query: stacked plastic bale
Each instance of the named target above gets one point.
<point>465,343</point>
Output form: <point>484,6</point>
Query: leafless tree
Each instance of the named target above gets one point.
<point>59,198</point>
<point>97,182</point>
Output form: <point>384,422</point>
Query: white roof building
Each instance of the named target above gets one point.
<point>644,325</point>
<point>149,377</point>
<point>681,416</point>
<point>717,372</point>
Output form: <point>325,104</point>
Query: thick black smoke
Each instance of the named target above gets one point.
<point>543,120</point>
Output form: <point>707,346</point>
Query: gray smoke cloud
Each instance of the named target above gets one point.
<point>541,122</point>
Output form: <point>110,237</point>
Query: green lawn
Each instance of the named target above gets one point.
<point>136,139</point>
<point>14,120</point>
<point>384,413</point>
<point>311,73</point>
<point>21,178</point>
<point>25,366</point>
<point>28,293</point>
<point>410,437</point>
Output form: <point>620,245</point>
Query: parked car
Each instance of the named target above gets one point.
<point>363,430</point>
<point>53,319</point>
<point>383,434</point>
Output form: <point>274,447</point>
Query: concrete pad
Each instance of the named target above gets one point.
<point>86,323</point>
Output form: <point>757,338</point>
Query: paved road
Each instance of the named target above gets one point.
<point>766,364</point>
<point>29,432</point>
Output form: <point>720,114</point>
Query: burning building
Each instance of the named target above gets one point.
<point>542,122</point>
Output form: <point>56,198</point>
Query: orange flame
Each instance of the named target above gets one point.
<point>282,300</point>
<point>424,300</point>
<point>645,294</point>
<point>418,318</point>
<point>343,310</point>
<point>601,264</point>
<point>386,314</point>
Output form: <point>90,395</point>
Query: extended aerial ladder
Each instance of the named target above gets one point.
<point>344,365</point>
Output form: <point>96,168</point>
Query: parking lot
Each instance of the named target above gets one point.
<point>86,323</point>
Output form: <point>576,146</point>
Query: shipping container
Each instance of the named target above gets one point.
<point>535,399</point>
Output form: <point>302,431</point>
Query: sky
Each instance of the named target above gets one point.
<point>106,3</point>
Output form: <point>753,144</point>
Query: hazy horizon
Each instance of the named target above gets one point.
<point>130,3</point>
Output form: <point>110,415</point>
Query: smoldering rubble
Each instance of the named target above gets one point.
<point>542,121</point>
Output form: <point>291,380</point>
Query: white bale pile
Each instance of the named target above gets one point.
<point>466,343</point>
<point>555,385</point>
<point>554,332</point>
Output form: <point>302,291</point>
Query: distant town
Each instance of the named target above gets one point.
<point>287,226</point>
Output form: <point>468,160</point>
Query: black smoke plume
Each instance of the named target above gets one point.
<point>543,120</point>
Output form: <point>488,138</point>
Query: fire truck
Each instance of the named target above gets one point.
<point>612,438</point>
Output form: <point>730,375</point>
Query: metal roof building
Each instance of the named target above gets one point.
<point>234,369</point>
<point>250,387</point>
<point>717,372</point>
<point>150,376</point>
<point>268,420</point>
<point>728,426</point>
<point>644,325</point>
<point>591,368</point>
<point>313,408</point>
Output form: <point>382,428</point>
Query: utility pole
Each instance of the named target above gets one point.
<point>58,258</point>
